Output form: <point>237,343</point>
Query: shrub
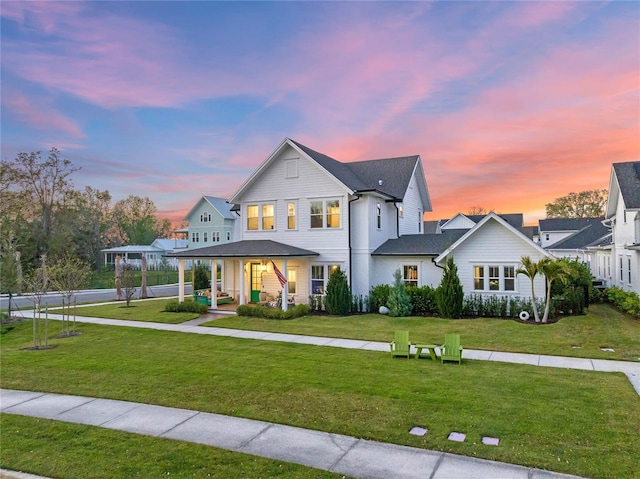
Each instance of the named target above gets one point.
<point>399,303</point>
<point>338,300</point>
<point>423,299</point>
<point>175,306</point>
<point>449,295</point>
<point>627,301</point>
<point>273,313</point>
<point>316,302</point>
<point>201,278</point>
<point>359,303</point>
<point>378,296</point>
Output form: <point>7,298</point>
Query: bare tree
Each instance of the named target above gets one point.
<point>143,272</point>
<point>68,275</point>
<point>38,284</point>
<point>128,282</point>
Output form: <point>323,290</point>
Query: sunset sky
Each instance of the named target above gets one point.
<point>510,104</point>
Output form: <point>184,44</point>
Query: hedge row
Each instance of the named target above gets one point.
<point>175,306</point>
<point>627,301</point>
<point>273,313</point>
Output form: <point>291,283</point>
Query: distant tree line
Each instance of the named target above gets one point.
<point>41,213</point>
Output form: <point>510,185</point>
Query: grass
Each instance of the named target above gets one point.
<point>106,279</point>
<point>578,422</point>
<point>603,326</point>
<point>84,452</point>
<point>148,310</point>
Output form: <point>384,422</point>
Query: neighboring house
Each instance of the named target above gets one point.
<point>154,253</point>
<point>576,244</point>
<point>211,222</point>
<point>311,214</point>
<point>623,216</point>
<point>553,230</point>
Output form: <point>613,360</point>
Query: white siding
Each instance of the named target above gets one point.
<point>459,222</point>
<point>548,238</point>
<point>217,224</point>
<point>385,266</point>
<point>494,245</point>
<point>625,234</point>
<point>413,210</point>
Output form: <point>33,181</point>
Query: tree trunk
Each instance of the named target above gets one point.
<point>536,315</point>
<point>143,285</point>
<point>118,278</point>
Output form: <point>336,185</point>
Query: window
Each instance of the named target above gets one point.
<point>333,214</point>
<point>419,221</point>
<point>267,217</point>
<point>546,236</point>
<point>205,217</point>
<point>215,236</point>
<point>621,270</point>
<point>325,213</point>
<point>228,235</point>
<point>291,216</point>
<point>509,278</point>
<point>205,237</point>
<point>478,278</point>
<point>410,273</point>
<point>252,217</point>
<point>629,269</point>
<point>378,216</point>
<point>292,276</point>
<point>401,211</point>
<point>317,279</point>
<point>195,237</point>
<point>494,278</point>
<point>320,275</point>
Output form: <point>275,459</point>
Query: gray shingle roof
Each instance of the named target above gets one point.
<point>628,175</point>
<point>395,173</point>
<point>246,249</point>
<point>592,233</point>
<point>566,224</point>
<point>514,219</point>
<point>419,245</point>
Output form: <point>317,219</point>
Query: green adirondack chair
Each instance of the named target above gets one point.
<point>401,345</point>
<point>451,349</point>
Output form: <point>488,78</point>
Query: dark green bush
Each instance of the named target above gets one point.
<point>273,313</point>
<point>201,278</point>
<point>423,299</point>
<point>378,296</point>
<point>316,302</point>
<point>175,306</point>
<point>627,301</point>
<point>399,302</point>
<point>449,295</point>
<point>338,299</point>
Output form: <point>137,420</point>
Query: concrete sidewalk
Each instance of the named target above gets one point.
<point>331,452</point>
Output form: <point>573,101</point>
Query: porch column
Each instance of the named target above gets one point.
<point>285,288</point>
<point>241,264</point>
<point>214,284</point>
<point>181,280</point>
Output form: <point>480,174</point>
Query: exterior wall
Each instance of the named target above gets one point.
<point>494,245</point>
<point>218,225</point>
<point>385,266</point>
<point>625,263</point>
<point>459,222</point>
<point>411,221</point>
<point>548,238</point>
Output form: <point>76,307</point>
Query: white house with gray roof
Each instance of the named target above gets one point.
<point>306,214</point>
<point>623,217</point>
<point>212,221</point>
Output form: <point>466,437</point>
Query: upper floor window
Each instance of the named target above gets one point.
<point>291,216</point>
<point>205,217</point>
<point>205,237</point>
<point>420,221</point>
<point>410,275</point>
<point>228,235</point>
<point>195,237</point>
<point>325,213</point>
<point>378,216</point>
<point>215,236</point>
<point>252,217</point>
<point>267,217</point>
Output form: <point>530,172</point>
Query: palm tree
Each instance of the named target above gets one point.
<point>553,270</point>
<point>530,269</point>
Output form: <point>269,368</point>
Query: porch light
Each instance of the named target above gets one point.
<point>263,268</point>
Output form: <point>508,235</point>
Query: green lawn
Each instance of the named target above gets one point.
<point>149,310</point>
<point>74,451</point>
<point>603,326</point>
<point>579,422</point>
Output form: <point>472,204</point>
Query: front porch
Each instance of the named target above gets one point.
<point>252,271</point>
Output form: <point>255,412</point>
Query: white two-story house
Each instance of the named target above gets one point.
<point>211,221</point>
<point>304,214</point>
<point>623,216</point>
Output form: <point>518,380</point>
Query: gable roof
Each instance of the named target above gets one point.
<point>566,224</point>
<point>625,178</point>
<point>418,244</point>
<point>514,219</point>
<point>168,244</point>
<point>360,176</point>
<point>490,217</point>
<point>592,233</point>
<point>222,206</point>
<point>246,249</point>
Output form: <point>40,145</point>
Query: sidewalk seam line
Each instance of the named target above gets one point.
<point>437,466</point>
<point>180,423</point>
<point>331,468</point>
<point>246,443</point>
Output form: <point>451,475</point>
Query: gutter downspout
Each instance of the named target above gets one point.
<point>357,197</point>
<point>397,219</point>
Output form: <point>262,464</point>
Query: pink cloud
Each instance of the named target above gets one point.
<point>41,116</point>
